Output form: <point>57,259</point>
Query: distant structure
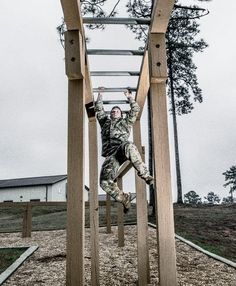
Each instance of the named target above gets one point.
<point>44,189</point>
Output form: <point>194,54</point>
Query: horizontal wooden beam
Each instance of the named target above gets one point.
<point>143,84</point>
<point>124,169</point>
<point>161,15</point>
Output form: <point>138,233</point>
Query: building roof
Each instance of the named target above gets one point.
<point>33,181</point>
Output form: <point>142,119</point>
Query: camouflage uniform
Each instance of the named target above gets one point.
<point>117,149</point>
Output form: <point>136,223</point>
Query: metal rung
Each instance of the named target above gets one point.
<point>114,89</point>
<point>115,73</point>
<point>117,21</point>
<point>115,102</point>
<point>115,52</point>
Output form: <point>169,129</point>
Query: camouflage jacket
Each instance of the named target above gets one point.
<point>115,132</point>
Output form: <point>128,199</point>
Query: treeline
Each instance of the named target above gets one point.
<point>210,199</point>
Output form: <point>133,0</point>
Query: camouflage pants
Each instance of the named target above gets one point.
<point>127,151</point>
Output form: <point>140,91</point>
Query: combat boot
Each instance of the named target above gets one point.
<point>149,180</point>
<point>125,199</point>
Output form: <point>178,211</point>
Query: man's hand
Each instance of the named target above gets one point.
<point>99,98</point>
<point>129,95</point>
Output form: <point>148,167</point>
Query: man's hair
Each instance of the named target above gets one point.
<point>118,108</point>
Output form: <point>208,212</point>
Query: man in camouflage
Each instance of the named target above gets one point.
<point>116,148</point>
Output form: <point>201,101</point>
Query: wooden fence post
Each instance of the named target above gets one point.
<point>27,221</point>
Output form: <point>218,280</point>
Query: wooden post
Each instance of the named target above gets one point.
<point>165,219</point>
<point>120,218</point>
<point>108,213</point>
<point>94,207</point>
<point>27,221</point>
<point>142,216</point>
<point>75,195</point>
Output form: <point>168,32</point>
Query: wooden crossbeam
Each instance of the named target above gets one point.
<point>143,84</point>
<point>161,15</point>
<point>72,15</point>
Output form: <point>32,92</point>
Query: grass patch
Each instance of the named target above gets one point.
<point>8,256</point>
<point>210,227</point>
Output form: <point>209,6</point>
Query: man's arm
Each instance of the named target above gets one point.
<point>100,113</point>
<point>134,110</point>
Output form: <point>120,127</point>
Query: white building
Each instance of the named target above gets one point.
<point>44,189</point>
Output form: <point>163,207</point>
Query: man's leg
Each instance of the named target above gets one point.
<point>131,153</point>
<point>107,176</point>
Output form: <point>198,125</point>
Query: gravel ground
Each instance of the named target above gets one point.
<point>118,265</point>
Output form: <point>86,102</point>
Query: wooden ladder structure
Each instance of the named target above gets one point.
<point>152,77</point>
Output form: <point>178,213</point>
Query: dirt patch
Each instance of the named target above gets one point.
<point>118,265</point>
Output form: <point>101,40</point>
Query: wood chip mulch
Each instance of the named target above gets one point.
<point>118,265</point>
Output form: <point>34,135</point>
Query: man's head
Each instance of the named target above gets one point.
<point>115,112</point>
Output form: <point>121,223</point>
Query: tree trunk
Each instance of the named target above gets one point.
<point>150,157</point>
<point>175,129</point>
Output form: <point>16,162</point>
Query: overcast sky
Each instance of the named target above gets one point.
<point>33,99</point>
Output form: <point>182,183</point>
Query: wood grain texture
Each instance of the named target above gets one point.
<point>94,207</point>
<point>143,84</point>
<point>160,16</point>
<point>75,199</point>
<point>157,50</point>
<point>74,55</point>
<point>165,218</point>
<point>142,216</point>
<point>72,15</point>
<point>27,221</point>
<point>120,219</point>
<point>108,213</point>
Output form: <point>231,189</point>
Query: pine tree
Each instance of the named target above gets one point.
<point>192,198</point>
<point>182,43</point>
<point>230,178</point>
<point>212,198</point>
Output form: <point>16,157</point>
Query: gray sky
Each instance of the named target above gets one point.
<point>33,98</point>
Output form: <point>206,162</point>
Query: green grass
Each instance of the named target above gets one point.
<point>8,256</point>
<point>211,227</point>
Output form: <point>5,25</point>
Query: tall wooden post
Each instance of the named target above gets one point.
<point>120,218</point>
<point>165,219</point>
<point>108,213</point>
<point>76,118</point>
<point>94,207</point>
<point>142,216</point>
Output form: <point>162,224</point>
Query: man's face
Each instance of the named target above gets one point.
<point>115,113</point>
